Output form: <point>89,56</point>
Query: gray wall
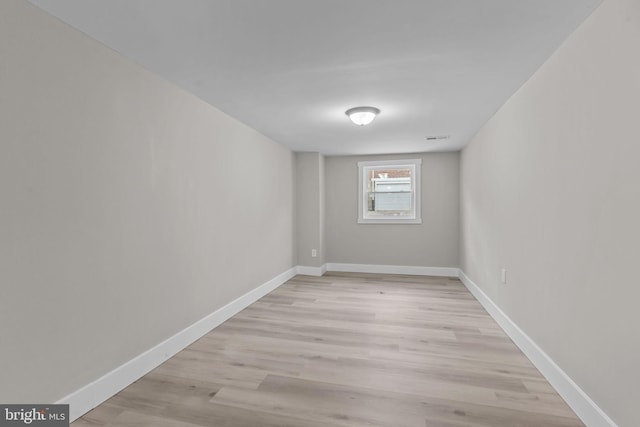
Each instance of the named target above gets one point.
<point>129,208</point>
<point>310,209</point>
<point>434,243</point>
<point>551,191</point>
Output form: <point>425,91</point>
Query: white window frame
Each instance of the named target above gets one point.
<point>415,165</point>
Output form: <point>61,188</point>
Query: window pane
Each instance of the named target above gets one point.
<point>391,203</point>
<point>389,192</point>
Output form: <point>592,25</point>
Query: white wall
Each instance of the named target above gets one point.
<point>129,209</point>
<point>434,243</point>
<point>551,191</point>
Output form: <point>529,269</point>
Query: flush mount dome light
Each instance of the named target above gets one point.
<point>362,115</point>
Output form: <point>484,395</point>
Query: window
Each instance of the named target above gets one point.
<point>389,192</point>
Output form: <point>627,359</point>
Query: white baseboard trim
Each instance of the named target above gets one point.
<point>96,392</point>
<point>393,269</point>
<point>576,398</point>
<point>312,271</point>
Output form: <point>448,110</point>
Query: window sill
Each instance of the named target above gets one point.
<point>390,221</point>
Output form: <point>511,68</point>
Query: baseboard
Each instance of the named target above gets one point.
<point>576,398</point>
<point>393,269</point>
<point>311,271</point>
<point>93,394</point>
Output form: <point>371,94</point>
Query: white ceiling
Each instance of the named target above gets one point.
<point>290,68</point>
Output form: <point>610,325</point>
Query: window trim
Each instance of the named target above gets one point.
<point>416,165</point>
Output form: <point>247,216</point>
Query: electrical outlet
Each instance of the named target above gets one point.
<point>314,253</point>
<point>503,275</point>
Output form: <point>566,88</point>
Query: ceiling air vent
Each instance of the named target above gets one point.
<point>437,137</point>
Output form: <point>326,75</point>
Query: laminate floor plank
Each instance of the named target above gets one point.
<point>358,406</point>
<point>460,386</point>
<point>346,349</point>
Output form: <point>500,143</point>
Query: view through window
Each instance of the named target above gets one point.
<point>388,191</point>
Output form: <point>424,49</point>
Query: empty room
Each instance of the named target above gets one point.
<point>319,213</point>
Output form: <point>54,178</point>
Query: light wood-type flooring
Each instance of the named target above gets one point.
<point>346,350</point>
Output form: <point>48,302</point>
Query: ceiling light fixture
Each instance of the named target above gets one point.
<point>362,115</point>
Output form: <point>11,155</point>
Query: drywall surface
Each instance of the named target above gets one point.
<point>310,210</point>
<point>434,243</point>
<point>129,210</point>
<point>550,191</point>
